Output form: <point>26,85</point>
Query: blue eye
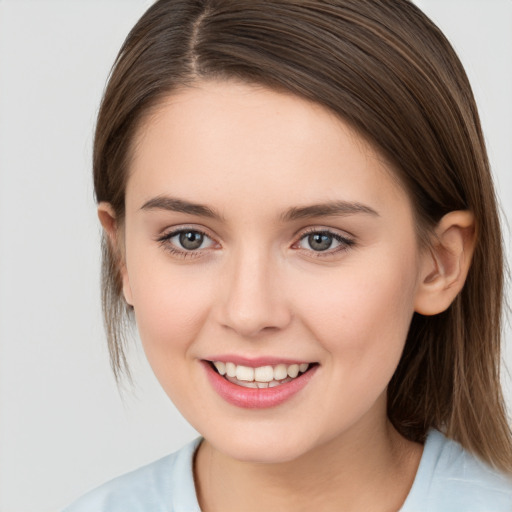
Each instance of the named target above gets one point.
<point>323,241</point>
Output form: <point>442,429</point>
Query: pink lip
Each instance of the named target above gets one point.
<point>250,398</point>
<point>254,362</point>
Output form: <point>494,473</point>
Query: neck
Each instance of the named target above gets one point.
<point>365,470</point>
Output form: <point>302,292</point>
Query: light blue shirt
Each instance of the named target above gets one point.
<point>449,479</point>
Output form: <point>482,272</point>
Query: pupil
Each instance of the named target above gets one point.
<point>191,240</point>
<point>320,242</point>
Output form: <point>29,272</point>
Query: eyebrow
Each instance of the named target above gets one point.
<point>332,208</point>
<point>179,205</point>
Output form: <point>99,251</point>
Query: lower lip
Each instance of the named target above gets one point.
<point>251,398</point>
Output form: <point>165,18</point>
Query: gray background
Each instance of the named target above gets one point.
<point>63,425</point>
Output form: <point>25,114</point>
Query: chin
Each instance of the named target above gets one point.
<point>250,447</point>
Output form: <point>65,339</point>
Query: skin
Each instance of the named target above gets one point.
<point>257,288</point>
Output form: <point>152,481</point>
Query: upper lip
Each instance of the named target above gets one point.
<point>255,362</point>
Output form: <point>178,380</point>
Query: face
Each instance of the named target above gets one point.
<point>263,234</point>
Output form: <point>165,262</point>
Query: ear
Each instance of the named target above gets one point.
<point>113,233</point>
<point>445,266</point>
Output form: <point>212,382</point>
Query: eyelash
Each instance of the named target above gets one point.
<point>345,243</point>
<point>165,241</point>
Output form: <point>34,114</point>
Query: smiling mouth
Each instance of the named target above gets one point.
<point>261,377</point>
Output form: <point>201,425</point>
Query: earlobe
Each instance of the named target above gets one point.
<point>446,265</point>
<point>112,230</point>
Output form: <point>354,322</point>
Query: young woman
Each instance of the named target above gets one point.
<point>299,215</point>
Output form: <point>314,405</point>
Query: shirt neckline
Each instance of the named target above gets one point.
<point>184,495</point>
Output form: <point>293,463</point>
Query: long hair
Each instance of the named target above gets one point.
<point>385,69</point>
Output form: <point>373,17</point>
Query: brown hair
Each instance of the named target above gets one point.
<point>387,70</point>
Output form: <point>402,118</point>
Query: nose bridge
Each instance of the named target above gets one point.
<point>254,300</point>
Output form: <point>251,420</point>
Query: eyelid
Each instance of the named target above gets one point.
<point>165,240</point>
<point>346,240</point>
<point>174,230</point>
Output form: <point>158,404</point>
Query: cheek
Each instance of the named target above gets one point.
<point>362,314</point>
<point>170,306</point>
<point>170,310</point>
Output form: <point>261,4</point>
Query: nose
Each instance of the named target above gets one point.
<point>254,296</point>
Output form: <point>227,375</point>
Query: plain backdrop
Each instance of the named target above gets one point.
<point>64,427</point>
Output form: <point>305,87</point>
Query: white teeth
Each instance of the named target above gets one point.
<point>293,370</point>
<point>247,384</point>
<point>221,367</point>
<point>280,372</point>
<point>264,374</point>
<point>231,369</point>
<point>245,373</point>
<point>261,377</point>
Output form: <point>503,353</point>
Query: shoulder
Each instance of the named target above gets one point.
<point>164,485</point>
<point>449,478</point>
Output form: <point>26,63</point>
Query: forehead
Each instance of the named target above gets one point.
<point>220,140</point>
